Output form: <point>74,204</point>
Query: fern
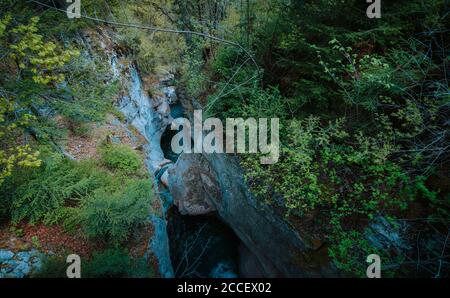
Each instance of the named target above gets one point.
<point>111,216</point>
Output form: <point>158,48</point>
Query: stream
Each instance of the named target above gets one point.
<point>185,246</point>
<point>200,246</point>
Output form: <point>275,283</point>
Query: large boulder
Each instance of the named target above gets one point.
<point>193,185</point>
<point>202,183</point>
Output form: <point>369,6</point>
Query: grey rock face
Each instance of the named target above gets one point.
<point>385,235</point>
<point>222,270</point>
<point>193,185</point>
<point>159,245</point>
<point>19,265</point>
<point>215,181</point>
<point>150,116</point>
<point>5,255</point>
<point>249,265</point>
<point>151,123</point>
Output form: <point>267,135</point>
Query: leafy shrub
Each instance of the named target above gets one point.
<point>72,193</point>
<point>68,217</point>
<point>115,263</point>
<point>307,176</point>
<point>41,60</point>
<point>122,158</point>
<point>86,97</point>
<point>259,103</point>
<point>322,167</point>
<point>103,264</point>
<point>193,78</point>
<point>108,263</point>
<point>112,216</point>
<point>12,121</point>
<point>51,186</point>
<point>52,267</point>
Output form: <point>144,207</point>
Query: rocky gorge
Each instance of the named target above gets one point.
<point>209,194</point>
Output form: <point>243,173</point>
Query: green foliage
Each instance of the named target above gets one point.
<point>380,90</point>
<point>68,217</point>
<point>307,174</point>
<point>195,81</point>
<point>112,216</point>
<point>250,102</point>
<point>349,250</point>
<point>121,158</point>
<point>35,241</point>
<point>53,76</point>
<point>155,52</point>
<point>18,232</point>
<point>112,263</point>
<point>90,90</point>
<point>107,206</point>
<point>13,120</point>
<point>52,267</point>
<point>41,59</point>
<point>49,188</point>
<point>108,263</point>
<point>322,167</point>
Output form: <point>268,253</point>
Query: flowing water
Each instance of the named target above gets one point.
<point>185,246</point>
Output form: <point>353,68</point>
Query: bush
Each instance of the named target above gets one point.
<point>52,267</point>
<point>346,176</point>
<point>50,187</point>
<point>77,193</point>
<point>112,216</point>
<point>108,263</point>
<point>319,168</point>
<point>122,158</point>
<point>68,217</point>
<point>115,263</point>
<point>103,264</point>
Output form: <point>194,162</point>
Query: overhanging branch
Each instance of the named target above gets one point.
<point>157,29</point>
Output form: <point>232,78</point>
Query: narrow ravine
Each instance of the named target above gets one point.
<point>202,245</point>
<point>136,107</point>
<point>185,246</point>
<point>205,221</point>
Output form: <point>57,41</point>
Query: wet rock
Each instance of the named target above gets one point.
<point>385,235</point>
<point>22,270</point>
<point>159,245</point>
<point>23,256</point>
<point>5,255</point>
<point>115,139</point>
<point>165,178</point>
<point>7,267</point>
<point>170,94</point>
<point>36,263</point>
<point>164,109</point>
<point>148,116</point>
<point>223,270</point>
<point>19,265</point>
<point>249,266</point>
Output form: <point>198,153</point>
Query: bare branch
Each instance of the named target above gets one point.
<point>157,29</point>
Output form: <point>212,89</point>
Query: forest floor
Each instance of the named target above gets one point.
<point>53,239</point>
